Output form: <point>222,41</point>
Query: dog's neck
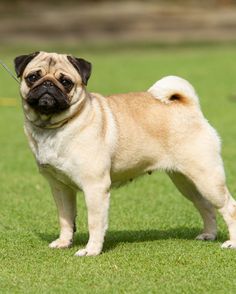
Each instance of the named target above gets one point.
<point>55,121</point>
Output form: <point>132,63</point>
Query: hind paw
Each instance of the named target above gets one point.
<point>229,244</point>
<point>206,237</point>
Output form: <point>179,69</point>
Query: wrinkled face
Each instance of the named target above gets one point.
<point>51,82</point>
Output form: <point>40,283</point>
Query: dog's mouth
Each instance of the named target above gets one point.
<point>46,98</point>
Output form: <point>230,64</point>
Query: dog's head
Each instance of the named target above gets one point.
<point>51,82</point>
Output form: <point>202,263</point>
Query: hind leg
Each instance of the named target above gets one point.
<point>228,212</point>
<point>217,193</point>
<point>209,179</point>
<point>205,208</point>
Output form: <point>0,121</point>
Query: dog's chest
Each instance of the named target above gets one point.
<point>48,150</point>
<point>51,154</point>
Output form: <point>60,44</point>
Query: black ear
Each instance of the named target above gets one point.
<point>82,66</point>
<point>21,62</point>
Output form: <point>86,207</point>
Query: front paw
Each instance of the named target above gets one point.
<point>88,252</point>
<point>60,243</point>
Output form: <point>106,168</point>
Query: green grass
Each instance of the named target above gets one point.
<point>150,246</point>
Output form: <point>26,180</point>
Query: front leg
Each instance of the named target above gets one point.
<point>65,198</point>
<point>97,200</point>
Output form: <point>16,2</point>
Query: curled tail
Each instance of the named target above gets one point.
<point>172,88</point>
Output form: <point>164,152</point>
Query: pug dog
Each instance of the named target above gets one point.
<point>85,141</point>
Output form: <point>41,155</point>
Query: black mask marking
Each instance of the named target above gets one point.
<point>47,98</point>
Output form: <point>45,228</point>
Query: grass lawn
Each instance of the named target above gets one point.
<point>150,246</point>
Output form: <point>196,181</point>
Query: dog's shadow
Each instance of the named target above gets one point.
<point>113,238</point>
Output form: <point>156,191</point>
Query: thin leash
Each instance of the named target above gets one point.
<point>9,71</point>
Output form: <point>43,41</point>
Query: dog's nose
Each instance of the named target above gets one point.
<point>46,104</point>
<point>48,84</point>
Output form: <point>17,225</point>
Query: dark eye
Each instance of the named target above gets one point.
<point>32,78</point>
<point>67,83</point>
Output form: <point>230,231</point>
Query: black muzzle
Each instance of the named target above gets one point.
<point>47,98</point>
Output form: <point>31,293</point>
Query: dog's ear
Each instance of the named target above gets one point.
<point>22,61</point>
<point>83,67</point>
